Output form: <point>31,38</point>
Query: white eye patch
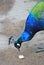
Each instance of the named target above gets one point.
<point>18,44</point>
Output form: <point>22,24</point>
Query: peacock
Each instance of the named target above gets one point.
<point>33,24</point>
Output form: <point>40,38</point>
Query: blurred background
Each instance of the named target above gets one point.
<point>13,15</point>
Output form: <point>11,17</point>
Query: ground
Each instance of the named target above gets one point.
<point>10,57</point>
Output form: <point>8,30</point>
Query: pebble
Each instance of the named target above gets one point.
<point>21,56</point>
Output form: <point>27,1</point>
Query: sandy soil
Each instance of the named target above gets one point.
<point>6,5</point>
<point>10,57</point>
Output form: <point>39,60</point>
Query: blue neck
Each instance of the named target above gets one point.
<point>25,36</point>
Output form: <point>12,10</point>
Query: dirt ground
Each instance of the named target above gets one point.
<point>10,57</point>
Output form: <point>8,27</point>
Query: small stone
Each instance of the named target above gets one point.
<point>21,56</point>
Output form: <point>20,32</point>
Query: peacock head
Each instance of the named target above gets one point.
<point>17,44</point>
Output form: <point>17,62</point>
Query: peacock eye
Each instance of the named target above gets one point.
<point>18,44</point>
